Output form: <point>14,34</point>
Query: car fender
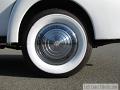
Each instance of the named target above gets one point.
<point>17,14</point>
<point>104,15</point>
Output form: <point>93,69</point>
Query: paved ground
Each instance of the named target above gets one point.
<point>103,67</point>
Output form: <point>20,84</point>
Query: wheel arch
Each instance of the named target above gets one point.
<point>38,6</point>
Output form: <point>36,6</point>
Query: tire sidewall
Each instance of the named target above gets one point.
<point>48,12</point>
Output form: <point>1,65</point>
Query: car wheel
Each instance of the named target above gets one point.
<point>56,42</point>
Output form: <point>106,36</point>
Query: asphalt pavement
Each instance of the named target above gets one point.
<point>103,67</point>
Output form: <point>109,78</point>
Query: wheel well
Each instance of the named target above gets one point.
<point>67,5</point>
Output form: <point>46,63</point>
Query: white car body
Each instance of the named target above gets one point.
<point>104,14</point>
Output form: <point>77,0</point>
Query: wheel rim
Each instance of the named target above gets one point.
<point>56,44</point>
<point>74,27</point>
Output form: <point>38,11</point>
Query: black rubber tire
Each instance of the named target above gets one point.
<point>37,17</point>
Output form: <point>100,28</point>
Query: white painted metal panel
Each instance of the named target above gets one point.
<point>5,9</point>
<point>104,14</point>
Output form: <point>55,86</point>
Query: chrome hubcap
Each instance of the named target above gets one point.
<point>56,44</point>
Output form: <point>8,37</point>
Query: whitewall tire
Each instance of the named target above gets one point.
<point>56,42</point>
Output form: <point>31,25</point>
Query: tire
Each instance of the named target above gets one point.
<point>56,42</point>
